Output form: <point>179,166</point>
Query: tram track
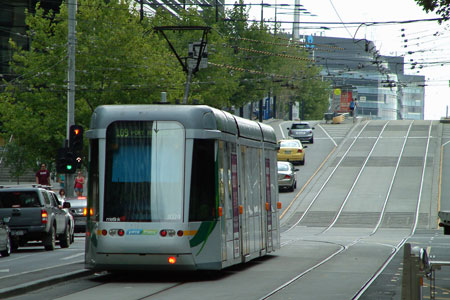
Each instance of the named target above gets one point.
<point>344,247</point>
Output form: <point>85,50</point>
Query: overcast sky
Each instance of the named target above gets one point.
<point>429,42</point>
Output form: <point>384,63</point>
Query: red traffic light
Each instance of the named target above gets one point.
<point>76,138</point>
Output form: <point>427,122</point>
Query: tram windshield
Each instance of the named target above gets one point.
<point>144,171</point>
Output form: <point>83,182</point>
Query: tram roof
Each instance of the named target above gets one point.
<point>191,116</point>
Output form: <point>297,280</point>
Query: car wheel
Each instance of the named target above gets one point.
<point>295,185</point>
<point>7,251</point>
<point>14,246</point>
<point>311,140</point>
<point>64,239</point>
<point>50,239</point>
<point>302,162</point>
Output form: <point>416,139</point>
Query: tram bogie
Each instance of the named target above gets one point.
<point>178,187</point>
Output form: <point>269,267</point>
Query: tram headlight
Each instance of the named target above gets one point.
<point>172,260</point>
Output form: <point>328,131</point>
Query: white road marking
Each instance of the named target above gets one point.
<point>72,256</point>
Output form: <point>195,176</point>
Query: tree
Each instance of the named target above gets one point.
<point>442,7</point>
<point>118,60</point>
<point>122,60</point>
<point>17,160</point>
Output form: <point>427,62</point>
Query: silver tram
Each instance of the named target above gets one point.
<point>178,187</point>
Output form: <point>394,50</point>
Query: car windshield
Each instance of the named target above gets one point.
<point>283,167</point>
<point>300,126</point>
<point>289,144</point>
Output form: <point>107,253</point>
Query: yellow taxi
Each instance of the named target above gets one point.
<point>291,150</point>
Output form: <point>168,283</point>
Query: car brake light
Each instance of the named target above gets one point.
<point>287,176</point>
<point>44,216</point>
<point>299,151</point>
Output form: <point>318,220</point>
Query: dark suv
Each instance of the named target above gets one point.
<point>35,215</point>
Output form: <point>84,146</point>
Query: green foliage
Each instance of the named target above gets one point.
<point>123,60</point>
<point>441,7</point>
<point>18,160</point>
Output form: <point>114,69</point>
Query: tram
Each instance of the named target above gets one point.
<point>179,187</point>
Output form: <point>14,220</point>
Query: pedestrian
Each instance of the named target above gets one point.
<point>62,194</point>
<point>43,176</point>
<point>352,107</point>
<point>79,182</point>
<point>61,180</point>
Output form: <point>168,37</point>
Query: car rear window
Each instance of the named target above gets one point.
<point>283,167</point>
<point>300,126</point>
<point>290,144</point>
<point>17,199</point>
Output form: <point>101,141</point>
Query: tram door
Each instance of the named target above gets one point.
<point>243,192</point>
<point>273,223</point>
<point>269,200</point>
<point>235,204</point>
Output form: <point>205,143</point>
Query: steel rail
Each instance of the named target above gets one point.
<point>413,229</point>
<point>327,180</point>
<point>395,248</point>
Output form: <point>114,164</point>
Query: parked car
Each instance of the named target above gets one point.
<point>78,209</point>
<point>302,131</point>
<point>35,215</point>
<point>291,150</point>
<point>5,238</point>
<point>286,176</point>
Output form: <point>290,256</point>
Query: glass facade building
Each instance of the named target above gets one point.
<point>357,71</point>
<point>12,27</point>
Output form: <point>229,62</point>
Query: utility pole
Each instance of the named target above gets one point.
<point>217,13</point>
<point>72,8</point>
<point>296,24</point>
<point>262,14</point>
<point>275,29</point>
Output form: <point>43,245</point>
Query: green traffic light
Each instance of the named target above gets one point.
<point>69,167</point>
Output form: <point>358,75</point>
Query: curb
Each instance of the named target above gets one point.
<point>38,284</point>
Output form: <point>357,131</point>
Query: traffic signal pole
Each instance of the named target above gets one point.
<point>71,7</point>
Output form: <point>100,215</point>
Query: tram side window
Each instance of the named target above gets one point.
<point>203,192</point>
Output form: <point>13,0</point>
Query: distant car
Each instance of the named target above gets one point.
<point>5,237</point>
<point>291,150</point>
<point>302,131</point>
<point>286,176</point>
<point>78,209</point>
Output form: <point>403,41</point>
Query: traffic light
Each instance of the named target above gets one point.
<point>78,162</point>
<point>65,162</point>
<point>76,138</point>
